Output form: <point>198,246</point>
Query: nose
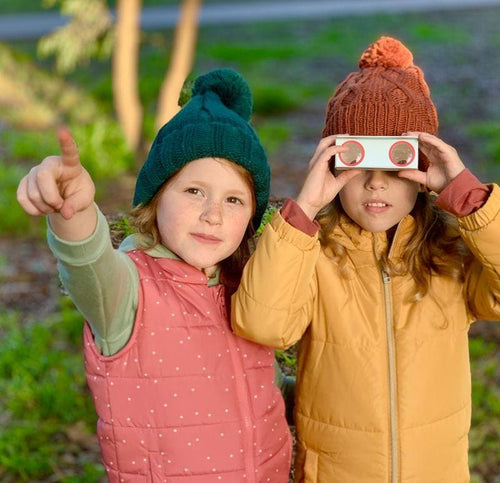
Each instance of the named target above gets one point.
<point>212,212</point>
<point>376,180</point>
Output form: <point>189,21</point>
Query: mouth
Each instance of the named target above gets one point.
<point>205,238</point>
<point>376,206</point>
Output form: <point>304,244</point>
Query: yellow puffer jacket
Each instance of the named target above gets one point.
<point>383,386</point>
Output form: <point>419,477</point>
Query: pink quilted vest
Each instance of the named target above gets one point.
<point>186,400</point>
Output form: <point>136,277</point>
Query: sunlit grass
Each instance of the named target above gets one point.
<point>43,396</point>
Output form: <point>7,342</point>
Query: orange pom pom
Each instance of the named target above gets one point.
<point>386,52</point>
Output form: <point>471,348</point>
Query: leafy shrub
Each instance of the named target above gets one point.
<point>102,147</point>
<point>273,100</point>
<point>273,135</point>
<point>489,134</point>
<point>29,146</point>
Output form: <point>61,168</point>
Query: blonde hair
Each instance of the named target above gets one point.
<point>143,218</point>
<point>435,247</point>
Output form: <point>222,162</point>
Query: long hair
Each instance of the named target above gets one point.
<point>143,218</point>
<point>435,247</point>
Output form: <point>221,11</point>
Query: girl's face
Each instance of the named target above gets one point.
<point>378,200</point>
<point>204,211</point>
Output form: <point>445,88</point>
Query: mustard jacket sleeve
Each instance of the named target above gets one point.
<point>481,232</point>
<point>273,304</point>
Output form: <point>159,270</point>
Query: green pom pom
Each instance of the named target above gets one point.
<point>231,88</point>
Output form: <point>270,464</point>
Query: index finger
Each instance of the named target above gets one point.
<point>344,176</point>
<point>426,140</point>
<point>414,175</point>
<point>69,150</point>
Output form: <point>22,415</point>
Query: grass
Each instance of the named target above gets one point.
<point>47,424</point>
<point>484,455</point>
<point>292,68</point>
<point>14,220</point>
<point>47,416</point>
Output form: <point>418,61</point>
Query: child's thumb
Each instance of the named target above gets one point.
<point>78,200</point>
<point>67,210</point>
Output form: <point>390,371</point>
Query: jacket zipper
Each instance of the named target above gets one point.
<point>392,376</point>
<point>244,404</point>
<point>391,355</point>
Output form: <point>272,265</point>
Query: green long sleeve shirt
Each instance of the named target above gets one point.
<point>104,285</point>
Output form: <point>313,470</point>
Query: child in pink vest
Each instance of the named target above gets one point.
<point>178,396</point>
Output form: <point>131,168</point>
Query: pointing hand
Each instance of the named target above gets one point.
<point>59,184</point>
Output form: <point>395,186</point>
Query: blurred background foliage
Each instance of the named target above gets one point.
<point>46,417</point>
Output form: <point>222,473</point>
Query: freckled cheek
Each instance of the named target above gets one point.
<point>237,224</point>
<point>172,226</point>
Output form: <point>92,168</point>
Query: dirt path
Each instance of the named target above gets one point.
<point>28,276</point>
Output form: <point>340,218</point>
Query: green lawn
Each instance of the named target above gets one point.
<point>292,68</point>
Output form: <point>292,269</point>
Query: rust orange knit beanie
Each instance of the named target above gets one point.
<point>388,96</point>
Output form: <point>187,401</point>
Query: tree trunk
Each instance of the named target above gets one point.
<point>125,71</point>
<point>181,61</point>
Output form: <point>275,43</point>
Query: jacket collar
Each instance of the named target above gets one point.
<point>179,270</point>
<point>353,237</point>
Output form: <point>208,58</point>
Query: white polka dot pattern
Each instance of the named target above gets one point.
<point>186,398</point>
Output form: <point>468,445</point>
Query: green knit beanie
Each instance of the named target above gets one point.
<point>214,123</point>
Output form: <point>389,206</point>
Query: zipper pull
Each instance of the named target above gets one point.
<point>386,277</point>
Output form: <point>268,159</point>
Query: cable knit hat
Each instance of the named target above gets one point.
<point>214,123</point>
<point>388,96</point>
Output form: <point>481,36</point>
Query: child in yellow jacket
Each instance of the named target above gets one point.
<point>379,275</point>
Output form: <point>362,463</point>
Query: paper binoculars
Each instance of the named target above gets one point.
<point>378,152</point>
